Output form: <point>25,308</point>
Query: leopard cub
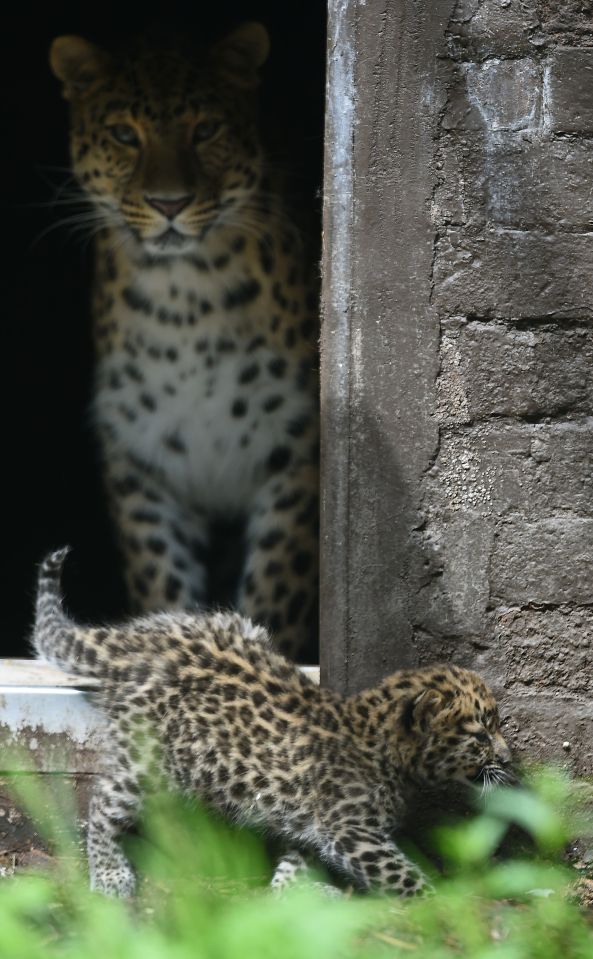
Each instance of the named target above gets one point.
<point>204,704</point>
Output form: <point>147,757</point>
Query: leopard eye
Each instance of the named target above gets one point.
<point>482,736</point>
<point>124,133</point>
<point>491,722</point>
<point>205,130</point>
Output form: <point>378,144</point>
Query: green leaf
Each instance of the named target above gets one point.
<point>471,842</point>
<point>539,818</point>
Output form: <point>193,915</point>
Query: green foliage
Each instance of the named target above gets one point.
<point>205,895</point>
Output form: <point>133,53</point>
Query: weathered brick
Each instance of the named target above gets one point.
<point>516,183</point>
<point>502,371</point>
<point>569,90</point>
<point>513,273</point>
<point>497,470</point>
<point>567,21</point>
<point>496,96</point>
<point>448,204</point>
<point>449,569</point>
<point>485,28</point>
<point>538,185</point>
<point>538,725</point>
<point>552,648</point>
<point>538,662</point>
<point>549,561</point>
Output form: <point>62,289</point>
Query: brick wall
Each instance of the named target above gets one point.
<point>506,577</point>
<point>457,353</point>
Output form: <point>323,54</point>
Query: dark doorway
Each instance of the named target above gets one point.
<point>52,483</point>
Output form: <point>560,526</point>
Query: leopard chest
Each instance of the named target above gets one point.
<point>204,397</point>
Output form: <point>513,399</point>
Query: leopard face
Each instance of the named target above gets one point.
<point>450,728</point>
<point>164,148</point>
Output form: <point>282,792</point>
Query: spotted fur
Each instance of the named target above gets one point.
<point>205,326</point>
<point>205,705</point>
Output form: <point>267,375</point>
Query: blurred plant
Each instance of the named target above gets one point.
<point>205,895</point>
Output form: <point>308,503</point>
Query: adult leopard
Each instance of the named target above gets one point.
<point>205,327</point>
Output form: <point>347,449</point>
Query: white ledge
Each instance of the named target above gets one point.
<point>36,674</point>
<point>47,715</point>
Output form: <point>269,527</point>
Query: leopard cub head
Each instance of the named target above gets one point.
<point>164,146</point>
<point>450,728</point>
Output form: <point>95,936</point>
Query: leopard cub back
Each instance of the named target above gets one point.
<point>224,717</point>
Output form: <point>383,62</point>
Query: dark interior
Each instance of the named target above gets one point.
<point>52,480</point>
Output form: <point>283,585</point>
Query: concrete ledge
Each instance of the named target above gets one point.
<point>46,719</point>
<point>47,715</point>
<point>36,674</point>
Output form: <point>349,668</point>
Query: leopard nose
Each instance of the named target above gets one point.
<point>502,752</point>
<point>169,206</point>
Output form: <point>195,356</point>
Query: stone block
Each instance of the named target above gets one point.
<point>550,728</point>
<point>544,648</point>
<point>537,185</point>
<point>527,470</point>
<point>516,183</point>
<point>569,90</point>
<point>547,561</point>
<point>496,97</point>
<point>452,584</point>
<point>486,28</point>
<point>514,274</point>
<point>569,22</point>
<point>490,369</point>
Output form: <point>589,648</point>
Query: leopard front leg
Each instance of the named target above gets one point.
<point>279,586</point>
<point>373,861</point>
<point>133,760</point>
<point>164,545</point>
<point>110,814</point>
<point>293,866</point>
<point>114,807</point>
<point>288,869</point>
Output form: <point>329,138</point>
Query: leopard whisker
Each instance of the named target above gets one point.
<point>242,226</point>
<point>75,220</point>
<point>75,200</point>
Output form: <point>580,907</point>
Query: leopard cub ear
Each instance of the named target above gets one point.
<point>421,709</point>
<point>78,63</point>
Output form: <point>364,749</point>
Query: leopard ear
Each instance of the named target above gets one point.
<point>78,63</point>
<point>420,710</point>
<point>239,55</point>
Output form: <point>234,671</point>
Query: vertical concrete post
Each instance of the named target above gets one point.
<point>457,354</point>
<point>380,332</point>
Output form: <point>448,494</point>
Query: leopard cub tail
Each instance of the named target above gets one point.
<point>56,637</point>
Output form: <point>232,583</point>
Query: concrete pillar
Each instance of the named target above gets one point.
<point>457,385</point>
